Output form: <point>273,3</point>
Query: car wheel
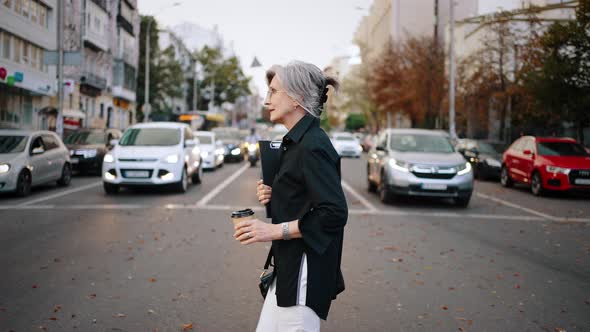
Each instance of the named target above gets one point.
<point>110,189</point>
<point>537,184</point>
<point>182,185</point>
<point>385,195</point>
<point>198,176</point>
<point>462,201</point>
<point>66,176</point>
<point>505,179</point>
<point>23,183</point>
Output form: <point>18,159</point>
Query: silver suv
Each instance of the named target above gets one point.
<point>418,162</point>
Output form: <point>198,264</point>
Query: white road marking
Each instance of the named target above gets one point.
<point>62,193</point>
<point>221,186</point>
<point>358,196</point>
<point>519,207</point>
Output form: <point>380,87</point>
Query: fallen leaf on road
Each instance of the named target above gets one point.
<point>151,312</point>
<point>92,296</point>
<point>444,307</point>
<point>56,308</point>
<point>462,330</point>
<point>587,301</point>
<point>35,286</point>
<point>391,248</point>
<point>397,259</point>
<point>517,286</point>
<point>153,280</point>
<point>187,326</point>
<point>516,274</point>
<point>120,315</point>
<point>57,260</point>
<point>451,288</point>
<point>131,258</point>
<point>459,309</point>
<point>3,309</point>
<point>557,329</point>
<point>52,318</point>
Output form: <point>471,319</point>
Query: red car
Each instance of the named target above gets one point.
<point>546,163</point>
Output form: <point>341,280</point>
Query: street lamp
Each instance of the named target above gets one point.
<point>146,102</point>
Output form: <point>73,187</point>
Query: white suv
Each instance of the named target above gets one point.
<point>156,153</point>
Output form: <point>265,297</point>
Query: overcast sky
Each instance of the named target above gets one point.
<point>277,31</point>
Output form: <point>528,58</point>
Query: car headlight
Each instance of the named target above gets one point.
<point>172,159</point>
<point>235,151</point>
<point>4,168</point>
<point>399,165</point>
<point>108,158</point>
<point>464,168</point>
<point>554,169</point>
<point>493,162</point>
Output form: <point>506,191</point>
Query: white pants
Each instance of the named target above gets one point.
<point>298,318</point>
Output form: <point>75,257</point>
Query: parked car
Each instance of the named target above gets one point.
<point>483,156</point>
<point>234,150</point>
<point>156,153</point>
<point>212,151</point>
<point>418,162</point>
<point>347,145</point>
<point>547,164</point>
<point>88,147</point>
<point>31,158</point>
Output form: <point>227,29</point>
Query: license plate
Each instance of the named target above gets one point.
<point>583,181</point>
<point>434,186</point>
<point>137,174</point>
<point>74,160</point>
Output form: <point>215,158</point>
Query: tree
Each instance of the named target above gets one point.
<point>223,81</point>
<point>560,80</point>
<point>169,80</point>
<point>355,121</point>
<point>154,51</point>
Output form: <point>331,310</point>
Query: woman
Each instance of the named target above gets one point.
<point>308,206</point>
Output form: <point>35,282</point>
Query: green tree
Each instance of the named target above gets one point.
<point>154,51</point>
<point>561,79</point>
<point>355,121</point>
<point>222,75</point>
<point>169,79</point>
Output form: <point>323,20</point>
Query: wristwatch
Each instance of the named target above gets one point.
<point>286,235</point>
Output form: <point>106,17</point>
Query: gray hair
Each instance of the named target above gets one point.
<point>305,83</point>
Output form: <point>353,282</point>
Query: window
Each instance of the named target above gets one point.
<point>42,15</point>
<point>101,110</point>
<point>17,49</point>
<point>33,60</point>
<point>37,143</point>
<point>25,57</point>
<point>50,142</point>
<point>26,8</point>
<point>18,5</point>
<point>97,25</point>
<point>5,45</point>
<point>34,11</point>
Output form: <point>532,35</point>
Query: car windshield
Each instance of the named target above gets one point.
<point>12,144</point>
<point>204,139</point>
<point>487,148</point>
<point>86,137</point>
<point>345,138</point>
<point>420,143</point>
<point>151,137</point>
<point>224,135</point>
<point>561,149</point>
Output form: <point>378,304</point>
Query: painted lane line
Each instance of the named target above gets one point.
<point>358,196</point>
<point>63,193</point>
<point>516,206</point>
<point>34,207</point>
<point>221,186</point>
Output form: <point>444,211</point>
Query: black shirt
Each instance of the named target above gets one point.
<point>307,187</point>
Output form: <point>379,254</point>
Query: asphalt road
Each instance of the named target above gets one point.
<point>146,260</point>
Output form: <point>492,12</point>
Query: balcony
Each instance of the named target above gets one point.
<point>95,31</point>
<point>124,80</point>
<point>93,81</point>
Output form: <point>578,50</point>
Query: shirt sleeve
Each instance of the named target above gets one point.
<point>329,211</point>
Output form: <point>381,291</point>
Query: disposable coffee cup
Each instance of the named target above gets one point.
<point>239,216</point>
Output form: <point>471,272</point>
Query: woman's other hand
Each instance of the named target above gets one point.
<point>254,230</point>
<point>263,192</point>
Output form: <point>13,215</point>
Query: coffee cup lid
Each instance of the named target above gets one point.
<point>242,213</point>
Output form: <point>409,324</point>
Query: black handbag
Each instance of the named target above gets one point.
<point>267,276</point>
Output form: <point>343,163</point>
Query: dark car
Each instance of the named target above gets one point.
<point>484,157</point>
<point>88,147</point>
<point>232,145</point>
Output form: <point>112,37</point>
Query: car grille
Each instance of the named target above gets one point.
<point>576,174</point>
<point>127,173</point>
<point>433,172</point>
<point>418,189</point>
<point>138,160</point>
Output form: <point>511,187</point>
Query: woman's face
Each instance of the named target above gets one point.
<point>278,102</point>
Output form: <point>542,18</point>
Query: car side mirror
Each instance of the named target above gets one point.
<point>113,142</point>
<point>38,150</point>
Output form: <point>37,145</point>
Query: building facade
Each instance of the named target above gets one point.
<point>27,29</point>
